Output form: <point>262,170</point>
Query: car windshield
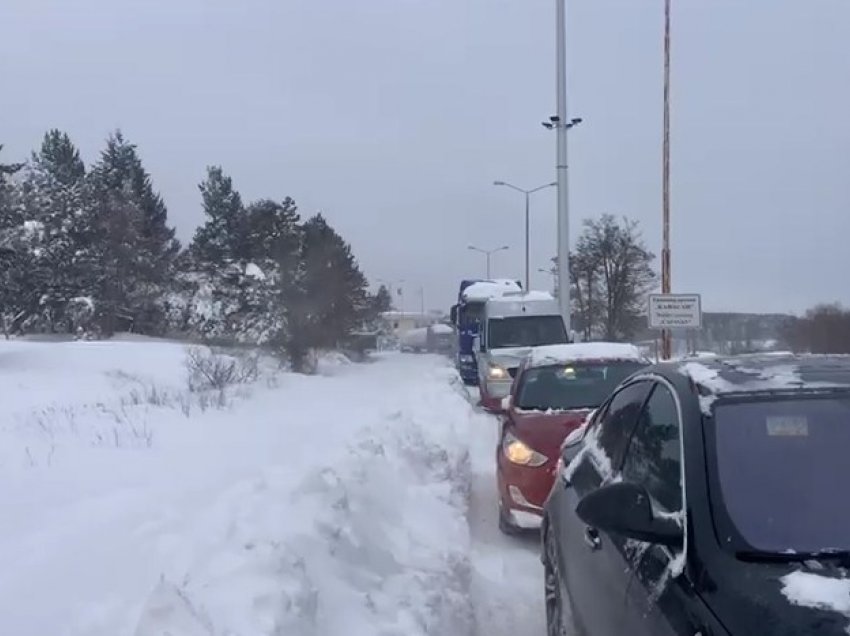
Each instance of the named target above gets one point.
<point>777,465</point>
<point>526,331</point>
<point>576,386</point>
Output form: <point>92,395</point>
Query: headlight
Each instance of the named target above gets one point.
<point>497,373</point>
<point>466,358</point>
<point>518,452</point>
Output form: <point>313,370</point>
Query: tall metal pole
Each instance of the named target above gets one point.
<point>488,264</point>
<point>666,335</point>
<point>561,165</point>
<point>527,245</point>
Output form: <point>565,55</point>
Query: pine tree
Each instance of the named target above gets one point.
<point>222,238</point>
<point>59,159</point>
<point>9,212</point>
<point>52,198</point>
<point>129,249</point>
<point>272,233</point>
<point>120,168</point>
<point>13,254</point>
<point>332,299</point>
<point>274,243</point>
<point>382,300</point>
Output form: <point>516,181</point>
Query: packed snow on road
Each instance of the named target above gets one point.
<point>140,501</point>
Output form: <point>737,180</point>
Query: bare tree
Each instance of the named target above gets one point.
<point>586,290</point>
<point>612,275</point>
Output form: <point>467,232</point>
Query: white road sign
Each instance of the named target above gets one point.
<point>675,311</point>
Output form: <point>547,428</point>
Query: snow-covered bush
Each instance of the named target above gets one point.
<point>210,370</point>
<point>224,306</point>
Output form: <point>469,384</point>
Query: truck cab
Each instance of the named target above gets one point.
<point>467,316</point>
<point>511,325</point>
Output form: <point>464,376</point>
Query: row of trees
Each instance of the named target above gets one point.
<point>822,329</point>
<point>91,249</point>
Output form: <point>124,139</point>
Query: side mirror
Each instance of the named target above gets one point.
<point>625,509</point>
<point>453,314</point>
<point>574,438</point>
<point>506,403</point>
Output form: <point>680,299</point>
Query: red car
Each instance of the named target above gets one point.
<point>556,387</point>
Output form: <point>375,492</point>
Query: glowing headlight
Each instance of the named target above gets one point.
<point>497,373</point>
<point>518,452</point>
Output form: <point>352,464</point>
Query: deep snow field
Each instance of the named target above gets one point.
<point>359,501</point>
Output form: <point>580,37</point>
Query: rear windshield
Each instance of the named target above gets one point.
<point>565,387</point>
<point>525,331</point>
<point>781,468</point>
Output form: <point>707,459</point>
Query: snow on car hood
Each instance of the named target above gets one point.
<point>781,599</point>
<point>508,357</point>
<point>815,590</point>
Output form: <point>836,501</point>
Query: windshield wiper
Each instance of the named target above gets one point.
<point>757,556</point>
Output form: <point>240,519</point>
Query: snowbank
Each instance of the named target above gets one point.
<point>306,505</point>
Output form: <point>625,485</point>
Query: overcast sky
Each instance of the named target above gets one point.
<point>394,117</point>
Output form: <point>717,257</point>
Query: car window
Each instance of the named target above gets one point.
<point>617,424</point>
<point>653,458</point>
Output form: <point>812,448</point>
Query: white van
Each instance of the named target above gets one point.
<point>511,326</point>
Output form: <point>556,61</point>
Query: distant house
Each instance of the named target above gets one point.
<point>398,323</point>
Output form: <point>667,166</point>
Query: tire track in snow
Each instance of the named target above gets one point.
<point>507,577</point>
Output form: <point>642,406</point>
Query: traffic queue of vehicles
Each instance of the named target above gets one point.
<point>673,499</point>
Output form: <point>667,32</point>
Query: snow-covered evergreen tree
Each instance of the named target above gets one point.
<point>52,200</point>
<point>332,300</point>
<point>127,246</point>
<point>222,238</point>
<point>13,251</point>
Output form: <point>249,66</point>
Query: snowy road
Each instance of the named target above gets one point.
<point>360,502</point>
<point>507,582</point>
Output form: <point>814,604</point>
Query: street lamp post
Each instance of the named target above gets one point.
<point>527,194</point>
<point>666,335</point>
<point>559,123</point>
<point>551,272</point>
<point>487,253</point>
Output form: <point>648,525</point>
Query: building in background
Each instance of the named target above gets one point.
<point>397,323</point>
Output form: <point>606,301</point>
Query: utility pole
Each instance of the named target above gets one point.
<point>561,164</point>
<point>666,335</point>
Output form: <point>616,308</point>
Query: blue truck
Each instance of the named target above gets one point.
<point>466,317</point>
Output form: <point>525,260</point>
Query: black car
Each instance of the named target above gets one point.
<point>707,498</point>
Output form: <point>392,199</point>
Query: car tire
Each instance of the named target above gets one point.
<point>554,601</point>
<point>505,524</point>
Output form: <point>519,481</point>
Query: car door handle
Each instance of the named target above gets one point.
<point>592,539</point>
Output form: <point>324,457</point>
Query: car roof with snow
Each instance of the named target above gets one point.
<point>567,353</point>
<point>766,373</point>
